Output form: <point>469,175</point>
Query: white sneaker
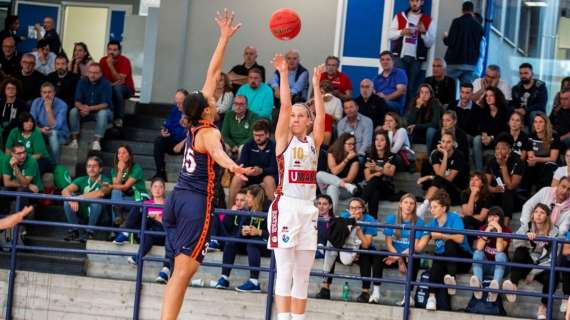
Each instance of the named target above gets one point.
<point>132,261</point>
<point>96,146</point>
<point>563,306</point>
<point>73,144</point>
<point>350,187</point>
<point>431,304</point>
<point>450,281</point>
<point>492,296</point>
<point>403,301</point>
<point>509,285</point>
<point>118,123</point>
<point>475,283</point>
<point>374,298</point>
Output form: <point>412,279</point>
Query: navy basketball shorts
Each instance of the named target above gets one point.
<point>187,223</point>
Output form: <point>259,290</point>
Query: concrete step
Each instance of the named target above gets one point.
<point>154,109</point>
<point>50,296</point>
<point>138,147</point>
<point>143,121</point>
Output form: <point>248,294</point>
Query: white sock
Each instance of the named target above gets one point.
<point>225,277</point>
<point>350,187</point>
<point>297,316</point>
<point>283,316</point>
<point>376,291</point>
<point>254,281</point>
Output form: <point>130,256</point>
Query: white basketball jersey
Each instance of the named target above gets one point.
<point>298,169</point>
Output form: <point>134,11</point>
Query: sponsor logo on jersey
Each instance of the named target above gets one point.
<point>285,229</point>
<point>303,176</point>
<point>285,238</point>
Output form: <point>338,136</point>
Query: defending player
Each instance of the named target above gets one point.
<point>187,216</point>
<point>293,215</point>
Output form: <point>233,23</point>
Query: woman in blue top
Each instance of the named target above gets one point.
<point>448,245</point>
<point>397,241</point>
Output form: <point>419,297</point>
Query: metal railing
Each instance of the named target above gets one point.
<point>408,282</point>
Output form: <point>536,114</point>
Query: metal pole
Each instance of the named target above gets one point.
<point>409,272</point>
<point>552,278</point>
<point>489,12</point>
<point>138,284</point>
<point>270,284</point>
<point>12,275</point>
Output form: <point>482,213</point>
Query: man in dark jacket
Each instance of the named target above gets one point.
<point>463,41</point>
<point>529,95</point>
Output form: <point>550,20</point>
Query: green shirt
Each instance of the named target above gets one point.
<point>237,133</point>
<point>29,169</point>
<point>86,185</point>
<point>34,144</point>
<point>139,188</point>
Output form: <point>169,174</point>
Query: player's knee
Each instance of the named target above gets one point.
<point>283,281</point>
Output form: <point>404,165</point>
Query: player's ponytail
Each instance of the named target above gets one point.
<point>194,105</point>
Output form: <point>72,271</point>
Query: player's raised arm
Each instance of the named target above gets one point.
<point>282,129</point>
<point>211,140</point>
<point>227,30</point>
<point>319,124</point>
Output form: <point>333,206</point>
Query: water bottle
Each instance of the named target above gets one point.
<point>345,292</point>
<point>132,238</point>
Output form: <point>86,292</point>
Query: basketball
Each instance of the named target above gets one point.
<point>285,24</point>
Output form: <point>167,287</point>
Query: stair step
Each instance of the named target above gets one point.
<point>154,109</point>
<point>138,147</point>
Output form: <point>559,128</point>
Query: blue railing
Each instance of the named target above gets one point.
<point>407,282</point>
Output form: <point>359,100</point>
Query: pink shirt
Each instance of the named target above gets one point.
<point>153,211</point>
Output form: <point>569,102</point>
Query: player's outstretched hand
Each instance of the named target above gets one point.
<point>317,72</point>
<point>242,172</point>
<point>225,21</point>
<point>279,63</point>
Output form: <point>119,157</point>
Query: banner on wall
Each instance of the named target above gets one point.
<point>30,14</point>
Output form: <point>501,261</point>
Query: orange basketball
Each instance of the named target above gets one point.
<point>285,24</point>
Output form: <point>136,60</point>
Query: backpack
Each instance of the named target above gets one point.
<point>422,294</point>
<point>339,231</point>
<point>482,306</point>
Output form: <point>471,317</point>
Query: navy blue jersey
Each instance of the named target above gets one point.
<point>198,172</point>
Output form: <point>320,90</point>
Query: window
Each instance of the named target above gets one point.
<point>511,20</point>
<point>497,14</point>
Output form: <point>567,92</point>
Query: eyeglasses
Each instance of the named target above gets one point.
<point>355,208</point>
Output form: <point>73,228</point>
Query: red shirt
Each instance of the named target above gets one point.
<point>328,122</point>
<point>122,65</point>
<point>340,81</point>
<point>491,247</point>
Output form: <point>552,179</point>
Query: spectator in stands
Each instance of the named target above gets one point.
<point>49,34</point>
<point>448,245</point>
<point>45,60</point>
<point>325,205</point>
<point>10,58</point>
<point>94,185</point>
<point>50,114</point>
<point>31,138</point>
<point>423,116</point>
<point>251,228</point>
<point>65,82</point>
<point>379,170</point>
<point>561,118</point>
<point>412,33</point>
<point>333,105</point>
<point>449,122</point>
<point>468,113</point>
<point>11,106</point>
<point>529,95</point>
<point>227,225</point>
<point>565,262</point>
<point>504,173</point>
<point>492,79</point>
<point>298,78</point>
<point>80,60</point>
<point>564,86</point>
<point>557,199</point>
<point>238,126</point>
<point>450,170</point>
<point>442,85</point>
<point>370,104</point>
<point>563,171</point>
<point>224,96</point>
<point>399,140</point>
<point>342,161</point>
<point>398,241</point>
<point>535,253</point>
<point>494,119</point>
<point>490,249</point>
<point>361,237</point>
<point>30,78</point>
<point>328,124</point>
<point>543,154</point>
<point>93,99</point>
<point>521,143</point>
<point>463,42</point>
<point>475,203</point>
<point>117,69</point>
<point>391,84</point>
<point>20,172</point>
<point>357,125</point>
<point>258,94</point>
<point>11,26</point>
<point>128,181</point>
<point>342,86</point>
<point>239,74</point>
<point>258,153</point>
<point>172,134</point>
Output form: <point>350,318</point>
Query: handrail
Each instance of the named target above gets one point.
<point>408,282</point>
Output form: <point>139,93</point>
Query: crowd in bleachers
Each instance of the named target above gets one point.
<point>491,151</point>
